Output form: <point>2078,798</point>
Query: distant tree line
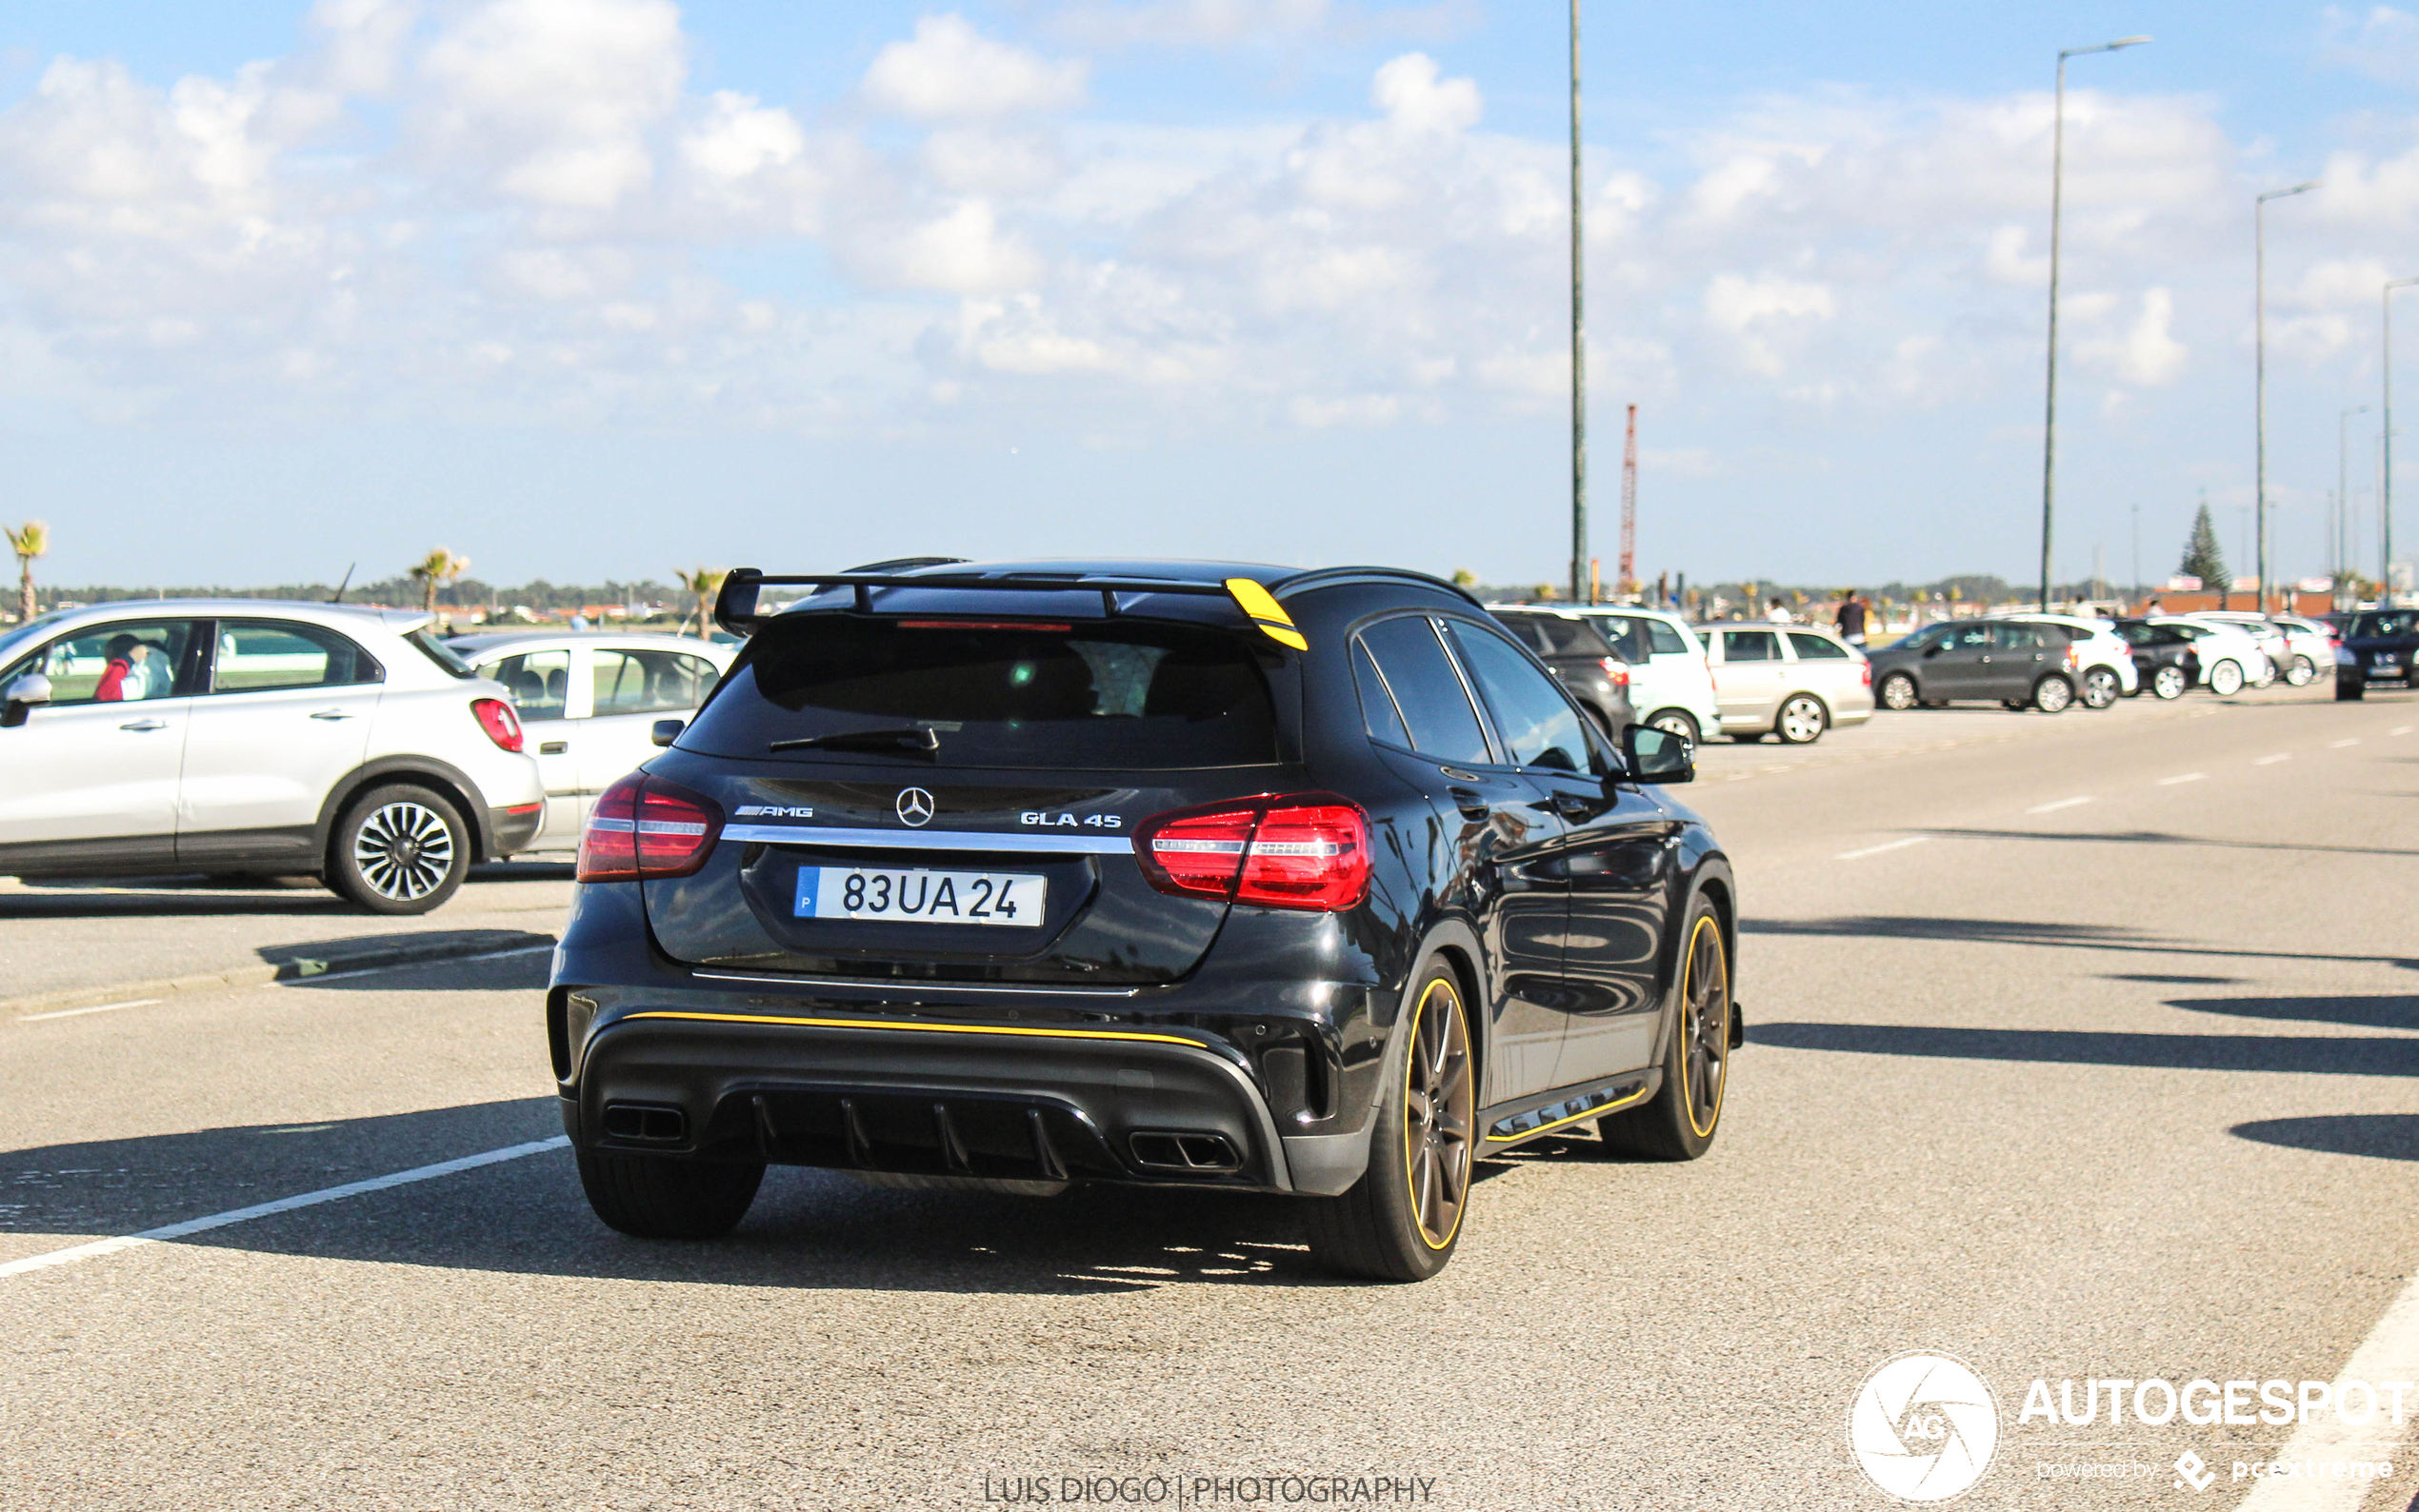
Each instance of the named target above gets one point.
<point>400,591</point>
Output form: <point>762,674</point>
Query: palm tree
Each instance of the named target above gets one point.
<point>439,568</point>
<point>29,540</point>
<point>706,582</point>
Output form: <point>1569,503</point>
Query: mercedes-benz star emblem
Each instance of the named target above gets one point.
<point>914,806</point>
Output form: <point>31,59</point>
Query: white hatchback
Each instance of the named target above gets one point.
<point>253,737</point>
<point>590,703</point>
<point>2103,662</point>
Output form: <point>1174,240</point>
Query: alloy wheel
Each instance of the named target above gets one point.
<point>1671,721</point>
<point>2303,673</point>
<point>2225,679</point>
<point>1801,719</point>
<point>2099,687</point>
<point>1704,1028</point>
<point>404,850</point>
<point>2167,682</point>
<point>1898,691</point>
<point>2052,695</point>
<point>1440,1110</point>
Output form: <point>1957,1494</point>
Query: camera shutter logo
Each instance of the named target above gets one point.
<point>915,806</point>
<point>1924,1427</point>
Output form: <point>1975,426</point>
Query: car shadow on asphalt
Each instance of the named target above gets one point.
<point>808,1229</point>
<point>497,959</point>
<point>2057,934</point>
<point>2345,1055</point>
<point>2384,1011</point>
<point>2385,1136</point>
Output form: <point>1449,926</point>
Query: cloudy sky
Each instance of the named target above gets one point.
<point>595,289</point>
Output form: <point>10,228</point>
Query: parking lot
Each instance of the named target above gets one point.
<point>2080,1047</point>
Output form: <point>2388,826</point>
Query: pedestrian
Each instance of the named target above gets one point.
<point>1778,613</point>
<point>123,678</point>
<point>1850,619</point>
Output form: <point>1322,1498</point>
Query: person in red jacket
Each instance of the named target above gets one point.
<point>125,656</point>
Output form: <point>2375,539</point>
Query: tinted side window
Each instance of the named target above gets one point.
<point>648,682</point>
<point>1750,645</point>
<point>1537,724</point>
<point>258,655</point>
<point>1662,640</point>
<point>1575,637</point>
<point>112,664</point>
<point>1426,690</point>
<point>539,682</point>
<point>1817,647</point>
<point>1624,637</point>
<point>1378,713</point>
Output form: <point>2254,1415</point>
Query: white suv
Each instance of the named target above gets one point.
<point>1671,686</point>
<point>247,736</point>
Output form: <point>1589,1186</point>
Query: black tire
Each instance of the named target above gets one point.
<point>1801,719</point>
<point>2302,673</point>
<point>2167,682</point>
<point>398,849</point>
<point>1747,739</point>
<point>2226,678</point>
<point>1681,1119</point>
<point>1677,721</point>
<point>2101,688</point>
<point>1402,1220</point>
<point>2347,691</point>
<point>1898,691</point>
<point>654,1197</point>
<point>2053,694</point>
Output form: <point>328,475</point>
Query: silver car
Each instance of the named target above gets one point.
<point>590,702</point>
<point>249,736</point>
<point>1793,681</point>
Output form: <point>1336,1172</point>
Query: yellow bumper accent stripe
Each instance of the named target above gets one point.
<point>924,1028</point>
<point>1266,612</point>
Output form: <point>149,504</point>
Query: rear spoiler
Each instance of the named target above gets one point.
<point>735,605</point>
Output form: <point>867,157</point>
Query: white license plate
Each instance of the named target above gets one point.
<point>2385,667</point>
<point>1014,899</point>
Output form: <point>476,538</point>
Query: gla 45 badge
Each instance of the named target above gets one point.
<point>1072,821</point>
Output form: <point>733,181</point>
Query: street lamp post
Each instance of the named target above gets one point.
<point>1578,348</point>
<point>2050,406</point>
<point>2386,466</point>
<point>2338,545</point>
<point>2259,367</point>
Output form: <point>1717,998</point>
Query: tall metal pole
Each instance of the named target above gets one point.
<point>2049,407</point>
<point>2386,467</point>
<point>2342,484</point>
<point>1578,346</point>
<point>2259,368</point>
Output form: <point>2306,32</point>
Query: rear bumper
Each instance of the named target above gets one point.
<point>1022,1104</point>
<point>515,826</point>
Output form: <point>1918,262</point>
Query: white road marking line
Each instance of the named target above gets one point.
<point>1875,850</point>
<point>2339,745</point>
<point>2187,777</point>
<point>283,1205</point>
<point>2399,729</point>
<point>2390,1353</point>
<point>2063,803</point>
<point>69,1013</point>
<point>2271,761</point>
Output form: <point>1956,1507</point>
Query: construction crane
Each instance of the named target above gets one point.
<point>1628,582</point>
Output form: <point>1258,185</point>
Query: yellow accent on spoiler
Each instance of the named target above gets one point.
<point>1266,612</point>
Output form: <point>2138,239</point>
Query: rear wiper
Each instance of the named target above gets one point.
<point>915,739</point>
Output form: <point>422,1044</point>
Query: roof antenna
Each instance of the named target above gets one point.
<point>338,597</point>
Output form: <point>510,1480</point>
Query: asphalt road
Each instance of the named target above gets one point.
<point>2081,1047</point>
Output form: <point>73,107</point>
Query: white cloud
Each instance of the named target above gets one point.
<point>951,72</point>
<point>1415,99</point>
<point>1755,312</point>
<point>964,252</point>
<point>2381,42</point>
<point>1261,23</point>
<point>2147,354</point>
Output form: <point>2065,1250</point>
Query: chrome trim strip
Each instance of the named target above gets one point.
<point>892,988</point>
<point>930,840</point>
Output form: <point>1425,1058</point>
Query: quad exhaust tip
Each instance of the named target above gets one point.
<point>1194,1153</point>
<point>644,1122</point>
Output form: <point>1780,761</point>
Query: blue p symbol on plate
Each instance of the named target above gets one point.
<point>808,876</point>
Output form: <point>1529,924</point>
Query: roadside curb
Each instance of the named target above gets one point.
<point>294,968</point>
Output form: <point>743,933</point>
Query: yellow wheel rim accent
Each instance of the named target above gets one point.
<point>1693,1028</point>
<point>1439,1116</point>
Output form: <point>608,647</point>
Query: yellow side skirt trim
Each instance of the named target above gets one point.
<point>1602,1109</point>
<point>923,1028</point>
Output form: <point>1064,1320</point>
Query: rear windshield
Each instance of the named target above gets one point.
<point>1125,696</point>
<point>2385,626</point>
<point>1552,635</point>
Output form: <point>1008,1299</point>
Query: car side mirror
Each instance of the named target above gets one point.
<point>23,694</point>
<point>665,731</point>
<point>1657,755</point>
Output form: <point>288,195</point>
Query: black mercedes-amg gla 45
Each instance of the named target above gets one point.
<point>1189,874</point>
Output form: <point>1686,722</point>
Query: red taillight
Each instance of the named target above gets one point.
<point>496,717</point>
<point>644,827</point>
<point>1301,851</point>
<point>1865,670</point>
<point>1617,671</point>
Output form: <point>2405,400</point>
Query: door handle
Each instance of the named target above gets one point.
<point>553,748</point>
<point>1571,805</point>
<point>1470,801</point>
<point>332,713</point>
<point>146,723</point>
